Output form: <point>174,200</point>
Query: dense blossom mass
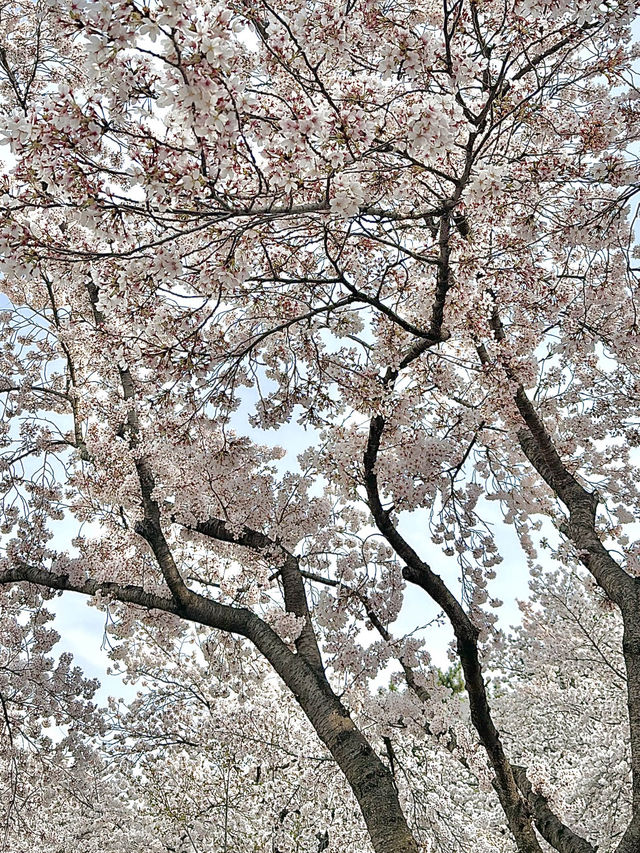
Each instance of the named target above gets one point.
<point>398,240</point>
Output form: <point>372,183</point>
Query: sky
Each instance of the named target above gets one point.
<point>82,627</point>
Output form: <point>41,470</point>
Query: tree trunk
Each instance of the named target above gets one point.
<point>370,780</point>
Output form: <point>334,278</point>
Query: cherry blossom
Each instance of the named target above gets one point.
<point>304,304</point>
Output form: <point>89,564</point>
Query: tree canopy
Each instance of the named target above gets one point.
<point>397,238</point>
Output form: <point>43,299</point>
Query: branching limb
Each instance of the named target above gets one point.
<point>548,824</point>
<point>370,779</point>
<point>295,597</point>
<point>420,573</point>
<point>550,827</point>
<point>580,528</point>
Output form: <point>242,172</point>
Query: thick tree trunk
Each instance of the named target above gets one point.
<point>370,780</point>
<point>630,842</point>
<point>303,673</point>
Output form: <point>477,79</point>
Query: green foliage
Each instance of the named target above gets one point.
<point>452,678</point>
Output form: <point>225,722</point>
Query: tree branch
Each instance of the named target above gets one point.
<point>420,573</point>
<point>550,827</point>
<point>295,597</point>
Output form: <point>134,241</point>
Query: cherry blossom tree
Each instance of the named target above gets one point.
<point>47,718</point>
<point>194,764</point>
<point>403,234</point>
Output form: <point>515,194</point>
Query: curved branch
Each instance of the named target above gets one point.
<point>295,597</point>
<point>550,827</point>
<point>420,573</point>
<point>370,779</point>
<point>548,824</point>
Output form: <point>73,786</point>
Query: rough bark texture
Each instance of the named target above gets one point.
<point>548,824</point>
<point>369,778</point>
<point>554,832</point>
